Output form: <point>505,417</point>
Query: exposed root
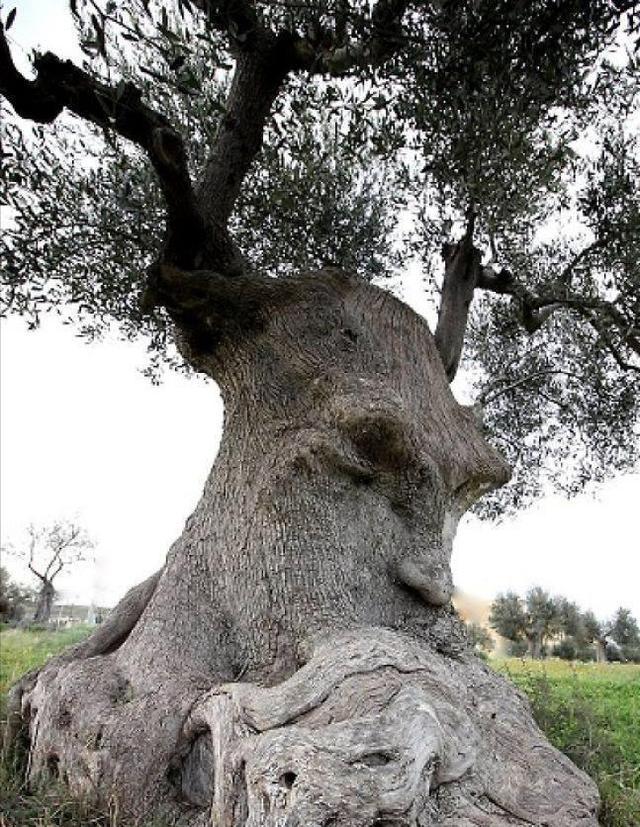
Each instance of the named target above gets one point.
<point>378,729</point>
<point>108,637</point>
<point>111,634</point>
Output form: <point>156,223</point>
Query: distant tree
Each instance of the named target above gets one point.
<point>583,635</point>
<point>566,649</point>
<point>574,642</point>
<point>533,620</point>
<point>624,630</point>
<point>479,637</point>
<point>507,616</point>
<point>595,632</point>
<point>569,619</point>
<point>48,551</point>
<point>12,598</point>
<point>541,619</point>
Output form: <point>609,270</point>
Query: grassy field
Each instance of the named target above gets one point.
<point>21,650</point>
<point>592,713</point>
<point>589,711</point>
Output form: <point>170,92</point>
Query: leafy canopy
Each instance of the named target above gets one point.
<point>404,125</point>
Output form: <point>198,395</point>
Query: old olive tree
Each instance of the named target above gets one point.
<point>234,180</point>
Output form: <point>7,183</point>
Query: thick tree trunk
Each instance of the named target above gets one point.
<point>298,661</point>
<point>44,603</point>
<point>535,644</point>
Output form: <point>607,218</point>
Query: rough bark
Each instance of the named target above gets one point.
<point>297,661</point>
<point>462,271</point>
<point>44,603</point>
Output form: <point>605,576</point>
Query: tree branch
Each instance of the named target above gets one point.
<point>237,18</point>
<point>61,85</point>
<point>487,396</point>
<point>32,550</point>
<point>611,346</point>
<point>264,58</point>
<point>327,53</point>
<point>462,270</point>
<point>536,309</point>
<point>258,77</point>
<point>567,273</point>
<point>37,573</point>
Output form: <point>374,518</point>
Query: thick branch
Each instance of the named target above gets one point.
<point>462,270</point>
<point>259,76</point>
<point>263,61</point>
<point>62,85</point>
<point>536,309</point>
<point>37,573</point>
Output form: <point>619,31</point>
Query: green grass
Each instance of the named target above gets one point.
<point>24,649</point>
<point>50,805</point>
<point>20,651</point>
<point>589,711</point>
<point>592,713</point>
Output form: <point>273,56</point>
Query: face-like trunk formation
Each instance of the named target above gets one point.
<point>323,537</point>
<point>344,467</point>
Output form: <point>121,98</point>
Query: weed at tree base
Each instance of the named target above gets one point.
<point>592,714</point>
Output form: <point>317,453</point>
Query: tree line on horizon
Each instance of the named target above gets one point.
<point>540,624</point>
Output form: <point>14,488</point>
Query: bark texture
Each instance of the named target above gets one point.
<point>297,661</point>
<point>45,602</point>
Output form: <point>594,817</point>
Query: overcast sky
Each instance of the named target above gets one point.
<point>86,436</point>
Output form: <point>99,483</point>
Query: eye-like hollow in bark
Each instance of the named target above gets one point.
<point>370,416</point>
<point>379,438</point>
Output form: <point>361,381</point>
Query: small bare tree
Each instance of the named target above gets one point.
<point>48,551</point>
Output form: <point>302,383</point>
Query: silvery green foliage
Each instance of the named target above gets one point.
<point>564,400</point>
<point>480,109</point>
<point>95,202</point>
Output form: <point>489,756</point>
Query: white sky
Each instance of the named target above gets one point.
<point>84,435</point>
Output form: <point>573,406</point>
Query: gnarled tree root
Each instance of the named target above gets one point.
<point>376,728</point>
<point>107,637</point>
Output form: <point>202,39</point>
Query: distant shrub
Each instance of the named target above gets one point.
<point>631,653</point>
<point>518,648</point>
<point>566,649</point>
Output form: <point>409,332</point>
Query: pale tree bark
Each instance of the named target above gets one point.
<point>463,267</point>
<point>297,661</point>
<point>601,650</point>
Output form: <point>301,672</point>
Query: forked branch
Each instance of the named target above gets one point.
<point>604,316</point>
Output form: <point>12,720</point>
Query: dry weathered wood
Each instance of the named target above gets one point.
<point>297,660</point>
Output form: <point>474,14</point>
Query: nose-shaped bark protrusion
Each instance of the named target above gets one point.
<point>431,580</point>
